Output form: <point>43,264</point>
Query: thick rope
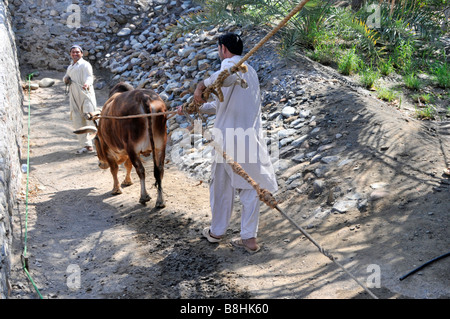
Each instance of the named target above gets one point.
<point>264,195</point>
<point>192,107</point>
<point>216,87</point>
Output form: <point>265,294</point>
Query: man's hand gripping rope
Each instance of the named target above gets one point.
<point>216,88</point>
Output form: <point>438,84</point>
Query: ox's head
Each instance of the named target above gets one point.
<point>102,162</point>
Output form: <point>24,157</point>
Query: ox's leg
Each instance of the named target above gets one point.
<point>158,170</point>
<point>127,181</point>
<point>114,168</point>
<point>140,170</point>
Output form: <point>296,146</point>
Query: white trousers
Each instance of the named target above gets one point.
<point>79,121</point>
<point>80,104</point>
<point>222,200</point>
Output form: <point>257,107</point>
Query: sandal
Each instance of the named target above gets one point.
<point>207,234</point>
<point>86,149</point>
<point>238,242</point>
<point>447,171</point>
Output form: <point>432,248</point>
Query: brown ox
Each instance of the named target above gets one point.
<point>123,140</point>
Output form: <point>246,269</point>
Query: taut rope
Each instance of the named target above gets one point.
<point>216,87</point>
<point>94,116</point>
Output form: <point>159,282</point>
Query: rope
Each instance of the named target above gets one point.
<point>267,197</point>
<point>83,90</point>
<point>93,116</point>
<point>24,257</point>
<point>215,88</point>
<point>326,253</point>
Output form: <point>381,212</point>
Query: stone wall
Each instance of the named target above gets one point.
<point>11,99</point>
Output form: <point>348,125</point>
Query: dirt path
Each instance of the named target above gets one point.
<point>121,249</point>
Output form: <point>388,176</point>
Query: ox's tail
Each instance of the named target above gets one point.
<point>158,162</point>
<point>146,103</point>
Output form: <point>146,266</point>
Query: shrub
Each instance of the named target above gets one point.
<point>368,77</point>
<point>442,75</point>
<point>349,63</point>
<point>324,53</point>
<point>422,98</point>
<point>386,67</point>
<point>427,113</point>
<point>412,81</point>
<point>403,54</point>
<point>386,94</point>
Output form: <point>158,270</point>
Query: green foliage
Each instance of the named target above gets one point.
<point>442,74</point>
<point>349,62</point>
<point>427,113</point>
<point>356,31</point>
<point>406,20</point>
<point>403,56</point>
<point>412,81</point>
<point>368,77</point>
<point>422,98</point>
<point>221,13</point>
<point>310,24</point>
<point>386,94</point>
<point>405,41</point>
<point>386,67</point>
<point>324,53</point>
<point>288,44</point>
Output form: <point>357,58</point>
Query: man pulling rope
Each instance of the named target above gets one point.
<point>238,110</point>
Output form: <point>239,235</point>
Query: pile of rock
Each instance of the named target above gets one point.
<point>154,60</point>
<point>45,29</point>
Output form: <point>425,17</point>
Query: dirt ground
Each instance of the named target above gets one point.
<point>121,249</point>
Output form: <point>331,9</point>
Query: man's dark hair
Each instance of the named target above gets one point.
<point>232,42</point>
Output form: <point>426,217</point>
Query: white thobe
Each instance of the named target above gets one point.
<point>238,130</point>
<point>81,101</point>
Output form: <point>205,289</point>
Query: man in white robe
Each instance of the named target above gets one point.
<point>81,93</point>
<point>237,129</point>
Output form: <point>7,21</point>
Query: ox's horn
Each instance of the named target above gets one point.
<point>86,129</point>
